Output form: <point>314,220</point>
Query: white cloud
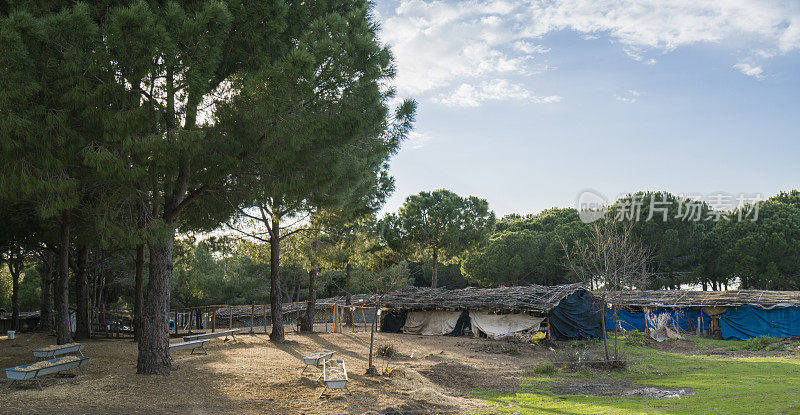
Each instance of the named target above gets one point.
<point>442,45</point>
<point>630,97</point>
<point>528,47</point>
<point>749,70</point>
<point>467,95</point>
<point>417,139</point>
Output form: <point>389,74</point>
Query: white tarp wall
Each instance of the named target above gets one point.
<point>431,323</point>
<point>500,325</point>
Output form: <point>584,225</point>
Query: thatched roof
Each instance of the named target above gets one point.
<point>524,298</point>
<point>680,298</point>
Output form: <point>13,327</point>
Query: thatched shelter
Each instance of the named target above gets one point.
<point>735,314</point>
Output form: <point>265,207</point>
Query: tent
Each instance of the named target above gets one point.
<point>685,317</point>
<point>431,323</point>
<point>500,325</point>
<point>577,316</point>
<point>745,322</point>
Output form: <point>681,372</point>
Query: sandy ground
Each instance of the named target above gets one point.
<point>252,375</point>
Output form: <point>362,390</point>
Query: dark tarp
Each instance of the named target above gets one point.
<point>745,322</point>
<point>577,316</point>
<point>685,317</point>
<point>463,324</point>
<point>393,321</point>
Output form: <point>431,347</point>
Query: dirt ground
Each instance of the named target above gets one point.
<point>426,375</point>
<point>252,375</point>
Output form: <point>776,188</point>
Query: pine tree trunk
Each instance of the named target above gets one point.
<point>435,276</point>
<point>82,294</point>
<point>138,302</point>
<point>348,300</point>
<point>154,344</point>
<point>14,269</point>
<point>46,306</point>
<point>61,286</point>
<point>275,281</point>
<point>307,325</point>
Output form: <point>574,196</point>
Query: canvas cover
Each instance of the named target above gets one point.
<point>577,316</point>
<point>745,322</point>
<point>431,323</point>
<point>500,325</point>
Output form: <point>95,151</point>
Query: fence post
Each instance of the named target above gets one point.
<point>213,319</point>
<point>252,315</point>
<point>230,317</point>
<point>265,319</point>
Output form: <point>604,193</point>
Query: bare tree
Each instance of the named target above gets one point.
<point>610,258</point>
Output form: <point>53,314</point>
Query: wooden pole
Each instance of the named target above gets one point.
<point>252,315</point>
<point>230,317</point>
<point>213,319</point>
<point>265,319</point>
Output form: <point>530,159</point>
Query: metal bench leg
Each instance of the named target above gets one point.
<point>81,369</point>
<point>323,392</point>
<point>205,352</point>
<point>39,384</point>
<point>12,382</point>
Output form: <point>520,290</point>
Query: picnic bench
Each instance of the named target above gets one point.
<point>192,344</point>
<point>317,360</point>
<point>36,371</point>
<point>55,350</point>
<point>334,376</point>
<point>207,336</point>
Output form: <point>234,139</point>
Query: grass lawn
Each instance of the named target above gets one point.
<point>721,385</point>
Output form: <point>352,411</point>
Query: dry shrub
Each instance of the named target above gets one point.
<point>387,351</point>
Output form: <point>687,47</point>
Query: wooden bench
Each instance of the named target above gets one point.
<point>207,336</point>
<point>36,371</point>
<point>53,351</point>
<point>193,344</point>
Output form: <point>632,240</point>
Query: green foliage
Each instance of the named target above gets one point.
<point>526,250</point>
<point>754,344</point>
<point>761,253</point>
<point>547,369</point>
<point>674,232</point>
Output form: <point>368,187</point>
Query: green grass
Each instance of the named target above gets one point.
<point>754,385</point>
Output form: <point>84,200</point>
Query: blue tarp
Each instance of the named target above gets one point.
<point>746,322</point>
<point>687,319</point>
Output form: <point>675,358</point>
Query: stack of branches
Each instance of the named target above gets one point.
<point>523,298</point>
<point>731,298</point>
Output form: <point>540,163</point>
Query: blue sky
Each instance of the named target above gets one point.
<point>528,103</point>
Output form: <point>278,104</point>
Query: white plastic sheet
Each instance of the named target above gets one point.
<point>431,323</point>
<point>501,325</point>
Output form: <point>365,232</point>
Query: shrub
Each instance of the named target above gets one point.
<point>387,350</point>
<point>755,344</point>
<point>544,369</point>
